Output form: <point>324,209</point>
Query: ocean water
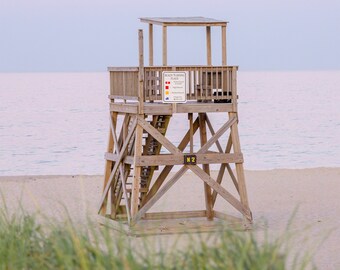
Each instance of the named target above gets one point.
<point>57,123</point>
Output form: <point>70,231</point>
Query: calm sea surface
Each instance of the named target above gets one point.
<point>57,123</point>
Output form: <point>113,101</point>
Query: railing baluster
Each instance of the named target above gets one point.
<point>204,82</point>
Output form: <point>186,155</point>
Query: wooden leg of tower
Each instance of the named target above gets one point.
<point>137,172</point>
<point>239,166</point>
<point>108,164</point>
<point>114,201</point>
<point>207,189</point>
<point>123,176</point>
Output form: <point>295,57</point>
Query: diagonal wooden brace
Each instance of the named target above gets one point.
<point>221,191</point>
<point>158,136</point>
<point>115,168</point>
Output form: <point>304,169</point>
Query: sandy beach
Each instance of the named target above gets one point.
<point>273,196</point>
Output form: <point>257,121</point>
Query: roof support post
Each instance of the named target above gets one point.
<point>208,34</point>
<point>165,52</point>
<point>150,44</point>
<point>224,45</point>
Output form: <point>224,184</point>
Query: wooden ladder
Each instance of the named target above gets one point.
<point>152,147</point>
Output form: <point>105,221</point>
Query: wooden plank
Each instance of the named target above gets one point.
<point>158,109</point>
<point>204,107</point>
<point>221,191</point>
<point>159,194</point>
<point>124,108</point>
<point>137,172</point>
<point>224,45</point>
<point>141,72</point>
<point>181,227</point>
<point>123,97</point>
<point>165,50</point>
<point>178,159</point>
<point>183,21</point>
<point>158,136</point>
<point>190,116</point>
<point>114,170</point>
<point>114,200</point>
<point>207,189</point>
<point>234,89</point>
<point>108,165</point>
<point>174,215</point>
<point>186,67</point>
<point>111,157</point>
<point>218,134</point>
<point>150,44</point>
<point>208,37</point>
<point>129,69</point>
<point>174,226</point>
<point>114,157</point>
<point>239,167</point>
<point>193,24</point>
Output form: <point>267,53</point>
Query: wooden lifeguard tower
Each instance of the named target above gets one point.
<point>142,101</point>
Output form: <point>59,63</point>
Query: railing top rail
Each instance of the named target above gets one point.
<point>134,69</point>
<point>189,66</point>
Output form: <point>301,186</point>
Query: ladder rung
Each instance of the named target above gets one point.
<point>140,190</point>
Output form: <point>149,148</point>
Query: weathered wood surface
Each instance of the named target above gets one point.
<point>115,168</point>
<point>136,92</point>
<point>178,159</point>
<point>183,21</point>
<point>205,82</point>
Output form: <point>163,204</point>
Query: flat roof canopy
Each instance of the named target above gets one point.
<point>183,21</point>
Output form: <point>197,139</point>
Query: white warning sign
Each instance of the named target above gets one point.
<point>174,86</point>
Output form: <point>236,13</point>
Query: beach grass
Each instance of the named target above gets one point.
<point>26,243</point>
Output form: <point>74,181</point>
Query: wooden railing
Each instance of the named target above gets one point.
<point>210,83</point>
<point>123,82</point>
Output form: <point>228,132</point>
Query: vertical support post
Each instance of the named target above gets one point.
<point>141,72</point>
<point>114,201</point>
<point>191,132</point>
<point>237,146</point>
<point>224,45</point>
<point>150,44</point>
<point>239,166</point>
<point>165,49</point>
<point>208,34</point>
<point>234,88</point>
<point>139,131</point>
<point>137,171</point>
<point>108,167</point>
<point>207,189</point>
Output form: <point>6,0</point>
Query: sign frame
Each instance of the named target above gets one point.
<point>190,159</point>
<point>181,84</point>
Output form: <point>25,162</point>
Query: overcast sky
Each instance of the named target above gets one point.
<point>87,35</point>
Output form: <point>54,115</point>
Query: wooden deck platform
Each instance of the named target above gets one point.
<point>157,108</point>
<point>177,223</point>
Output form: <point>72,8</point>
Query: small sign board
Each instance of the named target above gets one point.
<point>190,159</point>
<point>174,86</point>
